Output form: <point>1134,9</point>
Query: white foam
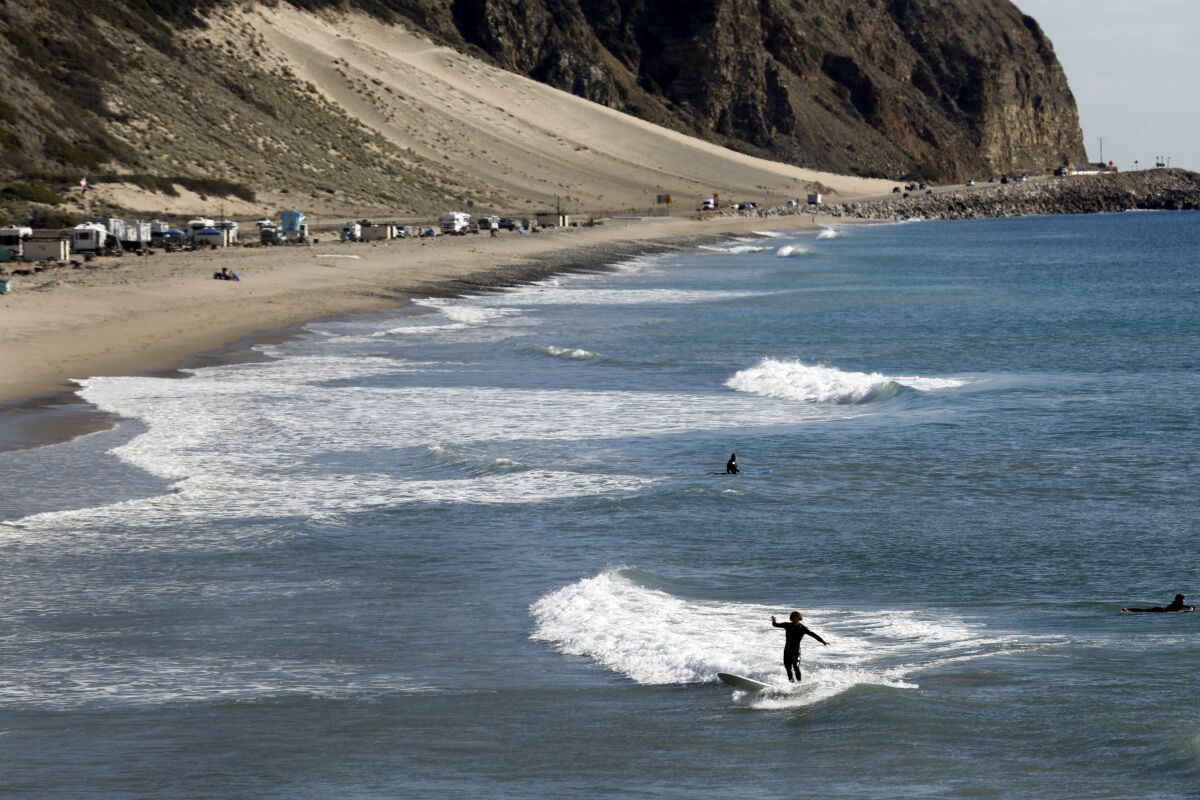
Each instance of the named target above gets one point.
<point>654,637</point>
<point>539,296</point>
<point>795,380</point>
<point>252,440</point>
<point>829,233</point>
<point>791,250</point>
<point>769,234</point>
<point>574,353</point>
<point>738,249</point>
<point>108,680</point>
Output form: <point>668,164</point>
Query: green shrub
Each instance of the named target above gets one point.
<point>32,193</point>
<point>82,154</point>
<point>52,218</point>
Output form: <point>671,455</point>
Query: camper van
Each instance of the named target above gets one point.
<point>12,243</point>
<point>455,223</point>
<point>352,232</point>
<point>708,204</point>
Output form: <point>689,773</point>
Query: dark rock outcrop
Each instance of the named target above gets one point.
<point>938,89</point>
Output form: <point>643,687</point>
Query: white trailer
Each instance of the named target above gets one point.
<point>12,242</point>
<point>89,237</point>
<point>135,234</point>
<point>455,223</point>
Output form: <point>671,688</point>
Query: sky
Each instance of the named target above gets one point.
<point>1134,66</point>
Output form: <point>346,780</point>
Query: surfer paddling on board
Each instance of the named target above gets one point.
<point>794,631</point>
<point>731,467</point>
<point>1176,605</point>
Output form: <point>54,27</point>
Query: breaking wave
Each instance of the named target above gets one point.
<point>738,249</point>
<point>791,250</point>
<point>654,637</point>
<point>828,233</point>
<point>795,380</point>
<point>574,353</point>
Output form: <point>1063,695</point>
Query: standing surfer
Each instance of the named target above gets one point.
<point>794,631</point>
<point>731,467</point>
<point>1176,605</point>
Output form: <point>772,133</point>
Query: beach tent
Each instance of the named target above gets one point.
<point>210,237</point>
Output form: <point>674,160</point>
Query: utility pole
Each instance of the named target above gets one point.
<point>1102,150</point>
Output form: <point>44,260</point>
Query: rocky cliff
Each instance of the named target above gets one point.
<point>938,89</point>
<point>164,89</point>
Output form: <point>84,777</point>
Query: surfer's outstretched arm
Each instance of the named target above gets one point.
<point>818,638</point>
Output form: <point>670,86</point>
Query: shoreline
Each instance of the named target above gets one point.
<point>32,406</point>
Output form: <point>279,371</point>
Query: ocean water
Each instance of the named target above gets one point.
<point>475,548</point>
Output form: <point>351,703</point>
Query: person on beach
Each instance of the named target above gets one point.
<point>731,467</point>
<point>794,631</point>
<point>1176,605</point>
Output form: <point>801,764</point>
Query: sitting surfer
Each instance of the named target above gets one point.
<point>731,467</point>
<point>794,631</point>
<point>1176,605</point>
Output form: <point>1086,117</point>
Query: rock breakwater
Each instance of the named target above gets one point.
<point>1174,190</point>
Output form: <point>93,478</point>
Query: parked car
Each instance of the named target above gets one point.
<point>508,224</point>
<point>708,204</point>
<point>895,190</point>
<point>1004,179</point>
<point>971,182</point>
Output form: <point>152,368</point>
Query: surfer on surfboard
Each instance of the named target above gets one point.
<point>794,631</point>
<point>1176,605</point>
<point>731,467</point>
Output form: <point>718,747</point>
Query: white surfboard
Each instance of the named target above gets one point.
<point>743,683</point>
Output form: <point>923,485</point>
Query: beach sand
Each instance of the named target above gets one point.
<point>133,315</point>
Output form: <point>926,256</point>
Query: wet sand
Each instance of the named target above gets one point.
<point>137,315</point>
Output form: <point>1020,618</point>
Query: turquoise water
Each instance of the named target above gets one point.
<point>477,552</point>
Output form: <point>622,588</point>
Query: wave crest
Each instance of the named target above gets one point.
<point>791,250</point>
<point>795,380</point>
<point>654,637</point>
<point>574,353</point>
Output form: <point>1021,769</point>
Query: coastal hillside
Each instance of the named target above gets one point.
<point>238,108</point>
<point>413,106</point>
<point>933,89</point>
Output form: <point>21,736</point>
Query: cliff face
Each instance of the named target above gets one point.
<point>936,89</point>
<point>931,88</point>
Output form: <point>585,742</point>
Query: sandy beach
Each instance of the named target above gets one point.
<point>132,315</point>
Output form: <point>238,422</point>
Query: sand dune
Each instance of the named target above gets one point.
<point>531,141</point>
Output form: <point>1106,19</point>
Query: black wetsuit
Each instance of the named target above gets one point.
<point>731,467</point>
<point>1176,605</point>
<point>795,631</point>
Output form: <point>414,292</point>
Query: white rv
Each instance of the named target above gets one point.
<point>89,237</point>
<point>12,241</point>
<point>455,223</point>
<point>352,232</point>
